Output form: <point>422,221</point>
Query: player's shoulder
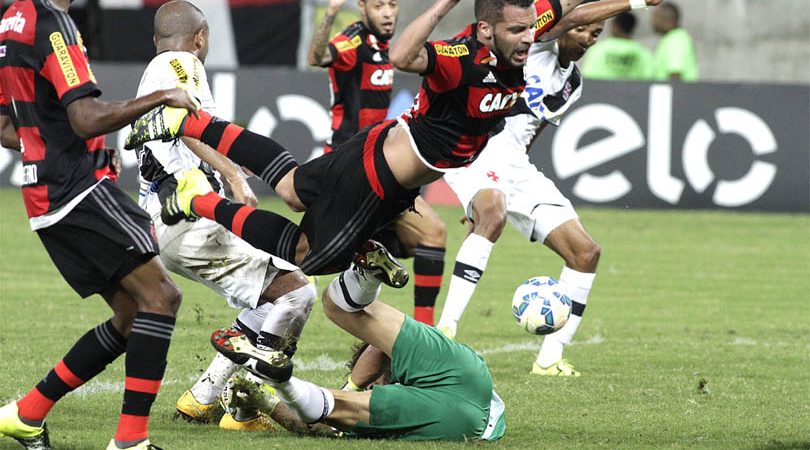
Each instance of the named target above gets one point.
<point>350,38</point>
<point>460,45</point>
<point>50,19</point>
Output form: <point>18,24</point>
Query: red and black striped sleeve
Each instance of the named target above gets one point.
<point>549,12</point>
<point>65,64</point>
<point>445,63</point>
<point>344,52</point>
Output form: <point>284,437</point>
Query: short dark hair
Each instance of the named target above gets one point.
<point>626,22</point>
<point>491,11</point>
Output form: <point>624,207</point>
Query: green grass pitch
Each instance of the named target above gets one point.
<point>697,335</point>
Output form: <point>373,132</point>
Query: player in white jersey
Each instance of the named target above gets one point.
<point>502,185</point>
<point>274,295</point>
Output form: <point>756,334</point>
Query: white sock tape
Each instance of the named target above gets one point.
<point>638,4</point>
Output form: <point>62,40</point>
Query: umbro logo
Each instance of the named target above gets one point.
<point>472,275</point>
<point>490,78</point>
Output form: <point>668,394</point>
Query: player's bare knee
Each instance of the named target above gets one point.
<point>490,215</point>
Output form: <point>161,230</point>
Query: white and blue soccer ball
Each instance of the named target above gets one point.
<point>540,306</point>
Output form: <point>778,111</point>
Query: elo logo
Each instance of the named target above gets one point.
<point>626,136</point>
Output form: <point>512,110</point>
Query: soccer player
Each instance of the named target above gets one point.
<point>361,77</point>
<point>275,296</point>
<point>503,185</point>
<point>470,83</point>
<point>440,389</point>
<point>95,234</point>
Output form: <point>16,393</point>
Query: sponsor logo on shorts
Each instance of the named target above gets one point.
<point>29,175</point>
<point>342,46</point>
<point>453,51</point>
<point>2,51</point>
<point>15,23</point>
<point>63,57</point>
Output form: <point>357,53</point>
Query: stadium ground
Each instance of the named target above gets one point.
<point>697,335</point>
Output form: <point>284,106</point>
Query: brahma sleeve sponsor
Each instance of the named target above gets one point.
<point>66,66</point>
<point>445,63</point>
<point>548,14</point>
<point>344,52</point>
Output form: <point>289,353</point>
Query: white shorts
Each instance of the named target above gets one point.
<point>535,205</point>
<point>206,252</point>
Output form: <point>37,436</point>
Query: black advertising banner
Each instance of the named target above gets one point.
<point>638,145</point>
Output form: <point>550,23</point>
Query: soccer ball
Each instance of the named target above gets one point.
<point>539,306</point>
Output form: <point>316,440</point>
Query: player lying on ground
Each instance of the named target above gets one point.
<point>95,234</point>
<point>361,78</point>
<point>503,185</point>
<point>439,389</point>
<point>275,296</point>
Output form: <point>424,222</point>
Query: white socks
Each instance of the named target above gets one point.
<point>352,291</point>
<point>210,384</point>
<point>312,403</point>
<point>289,313</point>
<point>471,261</point>
<point>577,285</point>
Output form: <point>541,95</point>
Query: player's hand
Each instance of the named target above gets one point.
<point>242,192</point>
<point>180,97</point>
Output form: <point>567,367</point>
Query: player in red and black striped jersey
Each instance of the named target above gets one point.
<point>360,75</point>
<point>361,78</point>
<point>95,234</point>
<point>350,193</point>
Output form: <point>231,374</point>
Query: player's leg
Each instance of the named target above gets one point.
<point>488,213</point>
<point>581,254</point>
<point>157,299</point>
<point>424,236</point>
<point>262,229</point>
<point>292,297</point>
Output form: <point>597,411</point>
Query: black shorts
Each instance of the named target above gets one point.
<point>104,238</point>
<point>349,194</point>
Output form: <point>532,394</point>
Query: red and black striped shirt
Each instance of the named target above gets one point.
<point>43,68</point>
<point>548,14</point>
<point>465,92</point>
<point>361,78</point>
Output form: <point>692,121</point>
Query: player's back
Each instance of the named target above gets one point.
<point>44,68</point>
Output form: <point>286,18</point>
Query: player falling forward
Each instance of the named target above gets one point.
<point>440,389</point>
<point>503,185</point>
<point>95,234</point>
<point>349,194</point>
<point>275,296</point>
<point>361,77</point>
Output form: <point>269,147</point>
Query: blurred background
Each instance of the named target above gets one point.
<point>736,40</point>
<point>730,132</point>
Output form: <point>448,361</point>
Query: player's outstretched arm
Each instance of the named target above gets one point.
<point>594,12</point>
<point>318,54</point>
<point>408,53</point>
<point>8,136</point>
<point>92,117</point>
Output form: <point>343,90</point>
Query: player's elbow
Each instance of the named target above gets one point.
<point>7,141</point>
<point>398,58</point>
<point>313,60</point>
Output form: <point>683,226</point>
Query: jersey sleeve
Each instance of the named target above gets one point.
<point>445,64</point>
<point>344,52</point>
<point>65,63</point>
<point>549,13</point>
